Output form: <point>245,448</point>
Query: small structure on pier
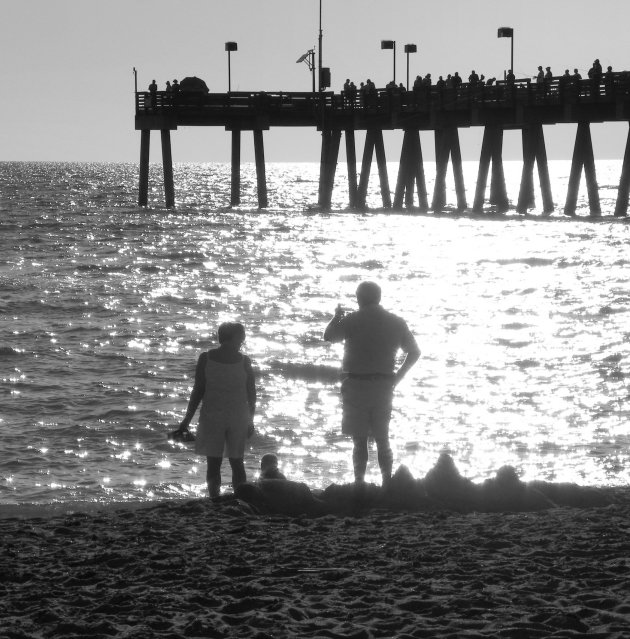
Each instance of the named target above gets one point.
<point>513,105</point>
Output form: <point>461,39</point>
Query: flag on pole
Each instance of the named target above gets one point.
<point>505,32</point>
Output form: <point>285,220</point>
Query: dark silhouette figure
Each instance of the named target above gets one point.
<point>609,81</point>
<point>372,338</point>
<point>269,467</point>
<point>226,388</point>
<point>153,92</point>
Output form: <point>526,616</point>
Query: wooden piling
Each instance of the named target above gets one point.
<point>621,206</point>
<point>498,191</point>
<point>235,195</point>
<point>484,167</point>
<point>411,173</point>
<point>143,182</point>
<point>405,171</point>
<point>351,161</point>
<point>583,157</point>
<point>447,144</point>
<point>261,178</point>
<point>526,198</point>
<point>167,164</point>
<point>534,152</point>
<point>540,152</point>
<point>379,147</point>
<point>366,167</point>
<point>328,166</point>
<point>441,165</point>
<point>423,200</point>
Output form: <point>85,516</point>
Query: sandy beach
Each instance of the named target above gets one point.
<point>229,569</point>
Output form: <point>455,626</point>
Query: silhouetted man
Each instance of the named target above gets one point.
<point>372,338</point>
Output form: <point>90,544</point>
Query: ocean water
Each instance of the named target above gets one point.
<point>105,307</point>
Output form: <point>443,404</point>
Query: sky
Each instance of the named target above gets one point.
<point>67,65</point>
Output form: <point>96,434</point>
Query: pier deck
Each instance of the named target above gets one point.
<point>521,104</point>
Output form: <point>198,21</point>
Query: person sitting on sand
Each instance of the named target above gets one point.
<point>269,467</point>
<point>226,388</point>
<point>373,337</point>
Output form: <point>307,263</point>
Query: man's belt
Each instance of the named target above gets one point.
<point>371,376</point>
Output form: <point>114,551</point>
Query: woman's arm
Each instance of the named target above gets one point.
<point>250,383</point>
<point>197,392</point>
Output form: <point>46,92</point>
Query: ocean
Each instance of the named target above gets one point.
<point>105,307</point>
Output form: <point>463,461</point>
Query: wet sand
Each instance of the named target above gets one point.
<point>228,569</point>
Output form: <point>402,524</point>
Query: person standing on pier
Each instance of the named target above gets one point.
<point>372,338</point>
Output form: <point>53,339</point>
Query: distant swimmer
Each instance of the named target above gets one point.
<point>226,388</point>
<point>372,339</point>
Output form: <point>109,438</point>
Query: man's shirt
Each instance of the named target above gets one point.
<point>372,337</point>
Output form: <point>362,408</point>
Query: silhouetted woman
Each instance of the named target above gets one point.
<point>225,386</point>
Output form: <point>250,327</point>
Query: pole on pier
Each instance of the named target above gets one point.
<point>167,164</point>
<point>447,144</point>
<point>583,157</point>
<point>235,196</point>
<point>621,207</point>
<point>351,161</point>
<point>261,179</point>
<point>143,184</point>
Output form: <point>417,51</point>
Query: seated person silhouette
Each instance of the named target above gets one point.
<point>269,467</point>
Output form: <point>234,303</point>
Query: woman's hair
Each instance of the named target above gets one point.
<point>229,330</point>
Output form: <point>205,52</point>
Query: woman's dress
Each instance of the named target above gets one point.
<point>224,417</point>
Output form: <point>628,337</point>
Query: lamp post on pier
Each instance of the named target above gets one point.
<point>409,48</point>
<point>229,47</point>
<point>390,44</point>
<point>508,32</point>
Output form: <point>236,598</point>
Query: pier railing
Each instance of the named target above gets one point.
<point>305,108</point>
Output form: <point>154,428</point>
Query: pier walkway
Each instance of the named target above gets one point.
<point>522,104</point>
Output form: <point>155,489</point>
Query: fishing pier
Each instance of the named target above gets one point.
<point>523,105</point>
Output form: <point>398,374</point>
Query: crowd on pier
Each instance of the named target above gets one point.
<point>425,91</point>
<point>544,81</point>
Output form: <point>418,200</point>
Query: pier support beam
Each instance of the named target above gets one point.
<point>328,166</point>
<point>583,157</point>
<point>447,145</point>
<point>373,141</point>
<point>621,207</point>
<point>410,173</point>
<point>491,151</point>
<point>167,163</point>
<point>351,161</point>
<point>143,183</point>
<point>261,178</point>
<point>235,194</point>
<point>534,151</point>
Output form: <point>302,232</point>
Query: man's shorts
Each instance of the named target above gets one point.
<point>367,407</point>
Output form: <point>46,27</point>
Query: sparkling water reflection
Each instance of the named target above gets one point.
<point>522,324</point>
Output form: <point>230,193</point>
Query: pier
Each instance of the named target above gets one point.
<point>521,104</point>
